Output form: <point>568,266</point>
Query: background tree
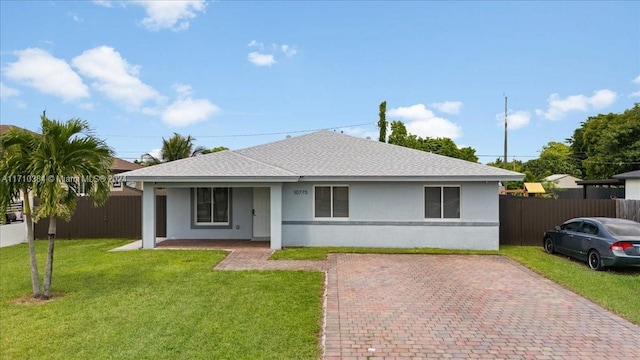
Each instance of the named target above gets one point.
<point>441,146</point>
<point>555,158</point>
<point>175,148</point>
<point>215,149</point>
<point>16,147</point>
<point>65,156</point>
<point>608,144</point>
<point>382,123</point>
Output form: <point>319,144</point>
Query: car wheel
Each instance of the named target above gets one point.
<point>593,260</point>
<point>548,246</point>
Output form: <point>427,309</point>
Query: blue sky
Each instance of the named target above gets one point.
<point>226,72</point>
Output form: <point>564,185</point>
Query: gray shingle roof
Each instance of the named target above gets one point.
<point>628,175</point>
<point>326,154</point>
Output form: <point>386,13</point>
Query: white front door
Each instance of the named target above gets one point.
<point>261,213</point>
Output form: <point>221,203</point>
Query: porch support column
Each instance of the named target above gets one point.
<point>276,216</point>
<point>148,216</point>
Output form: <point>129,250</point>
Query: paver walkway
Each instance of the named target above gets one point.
<point>451,306</point>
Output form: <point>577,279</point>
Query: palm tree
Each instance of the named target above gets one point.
<point>16,147</point>
<point>175,148</point>
<point>66,155</point>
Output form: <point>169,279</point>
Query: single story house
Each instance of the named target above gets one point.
<point>631,184</point>
<point>564,181</point>
<point>326,189</point>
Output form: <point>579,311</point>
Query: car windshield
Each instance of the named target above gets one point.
<point>623,229</point>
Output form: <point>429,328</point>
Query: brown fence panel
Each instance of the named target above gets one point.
<point>524,220</point>
<point>119,217</point>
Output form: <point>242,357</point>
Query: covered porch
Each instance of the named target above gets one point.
<point>203,213</point>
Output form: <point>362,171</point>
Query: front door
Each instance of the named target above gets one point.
<point>261,213</point>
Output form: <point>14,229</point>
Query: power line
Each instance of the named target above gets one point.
<point>247,135</point>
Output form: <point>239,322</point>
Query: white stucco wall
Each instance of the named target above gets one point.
<point>180,218</point>
<point>632,189</point>
<point>381,215</point>
<point>392,215</point>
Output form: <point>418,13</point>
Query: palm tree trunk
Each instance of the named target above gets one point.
<point>35,276</point>
<point>48,271</point>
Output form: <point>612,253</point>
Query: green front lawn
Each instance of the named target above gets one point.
<point>170,304</point>
<point>319,253</point>
<point>155,305</point>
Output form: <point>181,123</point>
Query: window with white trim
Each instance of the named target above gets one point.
<point>331,201</point>
<point>442,202</point>
<point>211,206</point>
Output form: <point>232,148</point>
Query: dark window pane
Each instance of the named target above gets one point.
<point>203,205</point>
<point>323,201</point>
<point>221,205</point>
<point>340,201</point>
<point>451,202</point>
<point>432,202</point>
<point>572,226</point>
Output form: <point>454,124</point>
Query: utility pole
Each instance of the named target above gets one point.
<point>505,132</point>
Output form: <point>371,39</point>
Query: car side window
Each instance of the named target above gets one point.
<point>589,228</point>
<point>572,226</point>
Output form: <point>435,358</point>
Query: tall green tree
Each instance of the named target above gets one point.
<point>175,148</point>
<point>16,147</point>
<point>63,158</point>
<point>382,122</point>
<point>608,144</point>
<point>555,158</point>
<point>441,146</point>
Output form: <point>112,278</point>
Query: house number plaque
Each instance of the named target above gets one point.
<point>300,192</point>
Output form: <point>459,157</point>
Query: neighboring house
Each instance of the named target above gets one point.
<point>122,186</point>
<point>327,189</point>
<point>564,181</point>
<point>631,184</point>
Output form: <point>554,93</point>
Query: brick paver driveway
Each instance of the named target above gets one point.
<point>450,306</point>
<point>446,306</point>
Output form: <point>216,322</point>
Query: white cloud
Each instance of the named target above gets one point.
<point>635,94</point>
<point>183,90</point>
<point>115,78</point>
<point>636,80</point>
<point>558,108</point>
<point>187,111</point>
<point>266,56</point>
<point>105,3</point>
<point>422,122</point>
<point>261,59</point>
<point>288,50</point>
<point>360,132</point>
<point>256,44</point>
<point>75,17</point>
<point>184,112</point>
<point>40,70</point>
<point>7,92</point>
<point>515,119</point>
<point>174,15</point>
<point>448,107</point>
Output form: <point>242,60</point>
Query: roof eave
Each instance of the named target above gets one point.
<point>446,178</point>
<point>225,179</point>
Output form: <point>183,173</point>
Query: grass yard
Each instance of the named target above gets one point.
<point>319,253</point>
<point>155,305</point>
<point>616,289</point>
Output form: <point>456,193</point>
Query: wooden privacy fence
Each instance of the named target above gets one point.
<point>119,217</point>
<point>524,220</point>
